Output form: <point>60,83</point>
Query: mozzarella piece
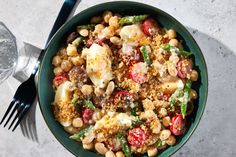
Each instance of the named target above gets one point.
<point>63,93</point>
<point>124,119</point>
<point>131,32</point>
<point>98,65</point>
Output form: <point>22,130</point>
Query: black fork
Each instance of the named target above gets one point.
<point>26,93</point>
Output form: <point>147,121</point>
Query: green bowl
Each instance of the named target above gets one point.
<point>45,90</point>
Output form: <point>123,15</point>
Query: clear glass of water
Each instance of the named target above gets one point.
<point>8,53</point>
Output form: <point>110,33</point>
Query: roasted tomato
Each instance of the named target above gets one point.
<point>184,68</point>
<point>98,41</point>
<point>150,27</point>
<point>137,137</point>
<point>87,115</point>
<point>165,97</point>
<point>59,79</point>
<point>177,126</point>
<point>123,99</point>
<point>138,72</point>
<point>135,57</point>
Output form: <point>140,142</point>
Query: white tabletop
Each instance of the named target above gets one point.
<point>211,22</point>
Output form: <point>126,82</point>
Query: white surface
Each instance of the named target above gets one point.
<point>212,23</point>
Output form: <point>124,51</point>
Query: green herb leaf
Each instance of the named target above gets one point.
<point>75,100</point>
<point>170,48</point>
<point>81,134</point>
<point>137,122</point>
<point>88,104</point>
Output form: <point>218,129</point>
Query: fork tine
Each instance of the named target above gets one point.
<point>26,108</point>
<point>8,110</point>
<point>12,112</point>
<point>21,107</point>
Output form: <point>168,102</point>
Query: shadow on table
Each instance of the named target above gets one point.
<point>28,124</point>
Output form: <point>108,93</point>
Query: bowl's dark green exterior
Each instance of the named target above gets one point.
<point>45,90</point>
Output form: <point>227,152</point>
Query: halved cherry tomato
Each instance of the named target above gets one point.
<point>137,137</point>
<point>59,79</point>
<point>184,68</point>
<point>177,126</point>
<point>98,41</point>
<point>138,72</point>
<point>123,99</point>
<point>165,97</point>
<point>133,58</point>
<point>150,27</point>
<point>87,115</point>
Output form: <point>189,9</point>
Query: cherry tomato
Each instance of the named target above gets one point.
<point>59,79</point>
<point>123,99</point>
<point>177,126</point>
<point>137,137</point>
<point>87,115</point>
<point>98,41</point>
<point>150,27</point>
<point>165,97</point>
<point>138,72</point>
<point>113,144</point>
<point>135,57</point>
<point>101,41</point>
<point>184,68</point>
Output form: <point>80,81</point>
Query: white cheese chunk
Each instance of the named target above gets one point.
<point>98,65</point>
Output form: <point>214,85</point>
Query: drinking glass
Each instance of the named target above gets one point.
<point>8,53</point>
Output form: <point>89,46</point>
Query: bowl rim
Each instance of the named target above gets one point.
<point>159,10</point>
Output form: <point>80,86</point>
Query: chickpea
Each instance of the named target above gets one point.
<point>171,67</point>
<point>171,34</point>
<point>194,75</point>
<point>66,65</point>
<point>86,89</point>
<point>84,32</point>
<point>106,16</point>
<point>110,88</point>
<point>174,42</point>
<point>88,146</point>
<point>89,138</point>
<point>71,50</point>
<point>78,60</point>
<point>110,154</point>
<point>152,152</point>
<point>162,112</point>
<point>57,70</point>
<point>96,19</point>
<point>98,91</point>
<point>115,40</point>
<point>100,137</point>
<point>77,122</point>
<point>114,21</point>
<point>72,130</point>
<point>166,121</point>
<point>100,148</point>
<point>171,140</point>
<point>165,134</point>
<point>98,29</point>
<point>120,154</point>
<point>97,115</point>
<point>193,94</point>
<point>56,60</point>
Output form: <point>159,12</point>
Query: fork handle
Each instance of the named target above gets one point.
<point>64,13</point>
